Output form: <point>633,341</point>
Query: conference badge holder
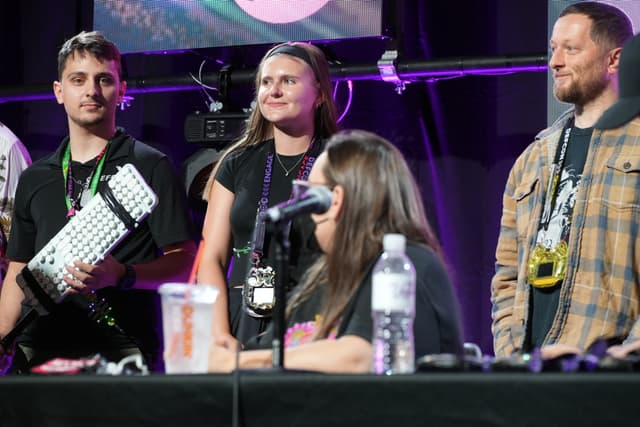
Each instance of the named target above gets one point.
<point>547,266</point>
<point>258,292</point>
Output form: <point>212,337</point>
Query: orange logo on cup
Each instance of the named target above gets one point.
<point>187,330</point>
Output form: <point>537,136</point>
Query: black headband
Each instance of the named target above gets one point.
<point>292,50</point>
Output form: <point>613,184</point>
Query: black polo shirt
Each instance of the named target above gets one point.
<point>40,212</point>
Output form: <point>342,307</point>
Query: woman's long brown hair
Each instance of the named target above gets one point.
<point>380,196</point>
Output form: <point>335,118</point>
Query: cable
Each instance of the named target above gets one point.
<point>203,87</point>
<point>335,94</point>
<point>118,210</point>
<point>468,73</point>
<point>346,109</point>
<point>489,73</point>
<point>235,414</point>
<point>199,78</point>
<point>236,420</point>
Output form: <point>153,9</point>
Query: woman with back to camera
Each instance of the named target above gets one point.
<point>294,114</point>
<point>329,315</point>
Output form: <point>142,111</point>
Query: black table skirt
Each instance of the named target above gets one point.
<point>299,399</point>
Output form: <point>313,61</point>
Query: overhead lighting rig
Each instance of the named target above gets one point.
<point>214,129</point>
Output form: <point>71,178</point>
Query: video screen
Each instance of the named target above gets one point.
<point>170,25</point>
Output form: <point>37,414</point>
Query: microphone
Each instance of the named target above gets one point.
<point>314,200</point>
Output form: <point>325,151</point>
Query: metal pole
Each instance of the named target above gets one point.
<point>408,71</point>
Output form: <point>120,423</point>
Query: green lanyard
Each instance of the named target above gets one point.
<point>67,173</point>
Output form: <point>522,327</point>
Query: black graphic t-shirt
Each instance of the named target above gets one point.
<point>544,301</point>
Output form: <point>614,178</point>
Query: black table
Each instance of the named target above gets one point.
<point>299,399</point>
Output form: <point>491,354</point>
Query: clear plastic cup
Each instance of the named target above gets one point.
<point>187,317</point>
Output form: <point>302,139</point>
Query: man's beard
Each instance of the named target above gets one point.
<point>581,94</point>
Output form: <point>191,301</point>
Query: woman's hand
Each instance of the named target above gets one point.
<point>227,341</point>
<point>221,359</point>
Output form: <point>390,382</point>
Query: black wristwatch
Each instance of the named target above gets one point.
<point>129,279</point>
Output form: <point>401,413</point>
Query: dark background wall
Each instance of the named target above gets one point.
<point>460,136</point>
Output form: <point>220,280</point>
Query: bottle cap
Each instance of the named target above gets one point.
<point>394,242</point>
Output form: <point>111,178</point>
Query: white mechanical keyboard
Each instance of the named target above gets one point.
<point>95,230</point>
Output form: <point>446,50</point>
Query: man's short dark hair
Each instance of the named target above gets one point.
<point>610,28</point>
<point>93,43</point>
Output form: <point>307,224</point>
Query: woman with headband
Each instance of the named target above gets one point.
<point>294,114</point>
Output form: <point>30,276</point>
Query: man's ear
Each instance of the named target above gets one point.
<point>57,91</point>
<point>122,91</point>
<point>614,60</point>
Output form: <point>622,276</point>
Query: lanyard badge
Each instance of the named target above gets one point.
<point>547,265</point>
<point>258,290</point>
<point>72,203</point>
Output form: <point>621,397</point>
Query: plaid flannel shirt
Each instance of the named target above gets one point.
<point>599,297</point>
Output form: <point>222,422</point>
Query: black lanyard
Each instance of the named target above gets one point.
<point>554,181</point>
<point>257,244</point>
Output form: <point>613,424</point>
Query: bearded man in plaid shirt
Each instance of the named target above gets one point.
<point>568,254</point>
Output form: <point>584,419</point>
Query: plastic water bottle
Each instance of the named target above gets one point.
<point>393,309</point>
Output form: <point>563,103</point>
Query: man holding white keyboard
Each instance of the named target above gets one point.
<point>52,192</point>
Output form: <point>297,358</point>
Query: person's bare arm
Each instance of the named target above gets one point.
<point>173,266</point>
<point>348,354</point>
<point>10,299</point>
<point>216,233</point>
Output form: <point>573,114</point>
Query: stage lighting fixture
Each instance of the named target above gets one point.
<point>214,129</point>
<point>196,170</point>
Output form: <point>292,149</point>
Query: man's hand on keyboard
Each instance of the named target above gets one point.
<point>88,277</point>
